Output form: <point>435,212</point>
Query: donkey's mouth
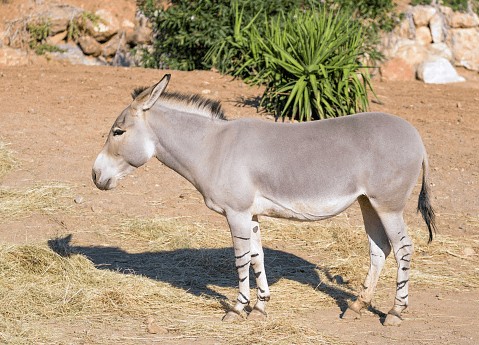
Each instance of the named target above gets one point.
<point>104,184</point>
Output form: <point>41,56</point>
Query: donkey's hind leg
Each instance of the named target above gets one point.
<point>257,262</point>
<point>379,249</point>
<point>403,250</point>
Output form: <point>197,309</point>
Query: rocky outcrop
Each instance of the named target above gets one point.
<point>429,34</point>
<point>100,37</point>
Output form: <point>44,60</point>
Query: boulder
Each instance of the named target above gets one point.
<point>89,46</point>
<point>397,69</point>
<point>406,28</point>
<point>423,35</point>
<point>423,14</point>
<point>441,50</point>
<point>57,39</point>
<point>438,71</point>
<point>116,43</point>
<point>74,55</point>
<point>59,17</point>
<point>411,51</point>
<point>463,20</point>
<point>13,57</point>
<point>105,28</point>
<point>436,25</point>
<point>464,45</point>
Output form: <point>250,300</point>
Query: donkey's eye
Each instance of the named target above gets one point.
<point>118,131</point>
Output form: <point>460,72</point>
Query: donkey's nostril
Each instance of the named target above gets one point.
<point>93,175</point>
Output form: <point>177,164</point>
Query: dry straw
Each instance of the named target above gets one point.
<point>7,161</point>
<point>183,276</point>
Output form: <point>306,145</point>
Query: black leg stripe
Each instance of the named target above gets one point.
<point>257,274</point>
<point>241,266</point>
<point>405,246</point>
<point>254,255</point>
<point>243,279</point>
<point>260,290</point>
<point>242,238</point>
<point>240,256</point>
<point>402,284</point>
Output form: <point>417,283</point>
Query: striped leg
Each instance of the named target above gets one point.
<point>403,250</point>
<point>257,262</point>
<point>240,227</point>
<point>379,249</point>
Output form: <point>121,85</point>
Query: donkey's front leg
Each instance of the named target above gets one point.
<point>240,227</point>
<point>257,261</point>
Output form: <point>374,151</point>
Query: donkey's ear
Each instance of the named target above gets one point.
<point>156,93</point>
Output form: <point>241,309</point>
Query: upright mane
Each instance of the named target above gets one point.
<point>188,102</point>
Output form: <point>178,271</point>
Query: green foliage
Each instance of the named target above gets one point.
<point>309,62</point>
<point>78,25</point>
<point>187,30</point>
<point>456,5</point>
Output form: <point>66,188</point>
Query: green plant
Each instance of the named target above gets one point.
<point>309,61</point>
<point>39,32</point>
<point>185,32</point>
<point>456,5</point>
<point>78,25</point>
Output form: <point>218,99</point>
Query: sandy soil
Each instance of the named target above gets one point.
<point>56,117</point>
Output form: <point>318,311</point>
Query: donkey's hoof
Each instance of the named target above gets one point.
<point>231,316</point>
<point>351,314</point>
<point>392,320</point>
<point>257,314</point>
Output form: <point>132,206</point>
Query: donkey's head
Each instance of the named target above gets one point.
<point>131,142</point>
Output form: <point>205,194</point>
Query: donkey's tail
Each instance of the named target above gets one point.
<point>424,203</point>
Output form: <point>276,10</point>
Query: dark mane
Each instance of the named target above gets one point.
<point>189,102</point>
<point>197,101</point>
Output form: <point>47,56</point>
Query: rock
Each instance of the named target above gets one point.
<point>56,39</point>
<point>436,25</point>
<point>74,55</point>
<point>423,35</point>
<point>90,46</point>
<point>411,51</point>
<point>397,69</point>
<point>105,28</point>
<point>423,14</point>
<point>463,20</point>
<point>78,199</point>
<point>59,17</point>
<point>406,28</point>
<point>13,57</point>
<point>110,48</point>
<point>438,71</point>
<point>142,35</point>
<point>441,50</point>
<point>464,45</point>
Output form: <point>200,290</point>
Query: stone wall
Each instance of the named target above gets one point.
<point>431,37</point>
<point>82,37</point>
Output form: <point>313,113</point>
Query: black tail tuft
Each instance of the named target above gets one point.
<point>424,206</point>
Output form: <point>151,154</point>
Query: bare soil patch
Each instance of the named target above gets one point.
<point>55,118</point>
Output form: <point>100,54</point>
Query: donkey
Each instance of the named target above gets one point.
<point>305,171</point>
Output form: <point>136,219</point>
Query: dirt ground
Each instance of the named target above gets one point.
<point>55,119</point>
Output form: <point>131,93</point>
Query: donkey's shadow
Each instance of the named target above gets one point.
<point>194,270</point>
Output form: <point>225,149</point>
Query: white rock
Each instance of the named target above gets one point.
<point>441,50</point>
<point>436,25</point>
<point>438,71</point>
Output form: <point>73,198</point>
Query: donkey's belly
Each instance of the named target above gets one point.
<point>313,209</point>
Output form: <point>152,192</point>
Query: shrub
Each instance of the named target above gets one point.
<point>187,30</point>
<point>309,62</point>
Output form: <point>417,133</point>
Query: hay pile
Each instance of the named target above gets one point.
<point>7,161</point>
<point>182,275</point>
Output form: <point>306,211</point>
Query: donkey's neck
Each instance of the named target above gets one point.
<point>186,142</point>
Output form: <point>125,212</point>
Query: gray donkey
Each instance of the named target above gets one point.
<point>306,171</point>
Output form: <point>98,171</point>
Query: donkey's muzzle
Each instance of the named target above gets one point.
<point>103,185</point>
